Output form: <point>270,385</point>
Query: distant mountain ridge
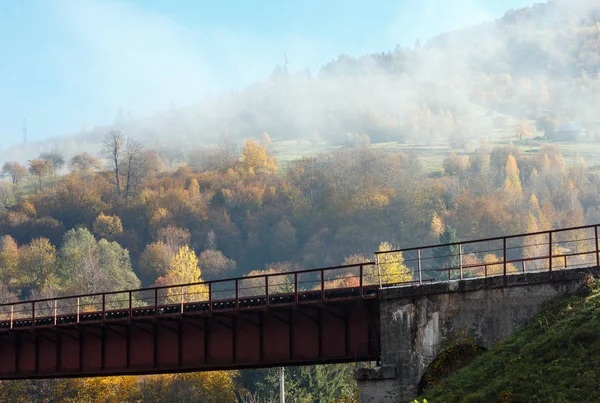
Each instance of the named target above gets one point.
<point>541,58</point>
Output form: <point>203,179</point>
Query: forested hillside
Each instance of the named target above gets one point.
<point>185,196</point>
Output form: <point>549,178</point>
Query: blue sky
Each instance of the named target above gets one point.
<point>70,64</point>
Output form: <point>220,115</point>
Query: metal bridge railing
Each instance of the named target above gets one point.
<point>501,256</point>
<point>306,286</point>
<point>548,251</point>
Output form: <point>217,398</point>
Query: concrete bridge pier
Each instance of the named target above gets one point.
<point>418,321</point>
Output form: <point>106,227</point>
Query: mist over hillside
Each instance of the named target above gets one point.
<point>458,88</point>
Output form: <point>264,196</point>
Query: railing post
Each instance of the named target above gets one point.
<point>550,253</point>
<point>33,313</point>
<point>597,251</point>
<point>12,315</point>
<point>77,309</point>
<point>523,265</point>
<point>460,265</point>
<point>360,281</point>
<point>103,307</point>
<point>419,269</point>
<point>210,305</point>
<point>156,302</point>
<point>55,310</point>
<point>296,288</point>
<point>130,304</point>
<point>565,256</point>
<point>322,285</point>
<point>181,300</point>
<point>378,270</point>
<point>267,289</point>
<point>237,294</point>
<point>504,257</point>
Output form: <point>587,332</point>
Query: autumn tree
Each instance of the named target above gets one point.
<point>523,129</point>
<point>209,387</point>
<point>254,157</point>
<point>437,226</point>
<point>9,259</point>
<point>84,162</point>
<point>15,171</point>
<point>154,262</point>
<point>390,266</point>
<point>107,226</point>
<point>173,237</point>
<point>512,182</point>
<point>56,160</point>
<point>183,269</point>
<point>40,169</point>
<point>215,265</point>
<point>90,266</point>
<point>36,266</point>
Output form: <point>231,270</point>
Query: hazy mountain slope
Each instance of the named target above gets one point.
<point>540,60</point>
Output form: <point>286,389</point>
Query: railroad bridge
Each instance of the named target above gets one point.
<point>397,311</point>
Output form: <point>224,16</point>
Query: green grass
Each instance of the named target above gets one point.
<point>555,358</point>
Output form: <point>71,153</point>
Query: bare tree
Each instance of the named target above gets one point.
<point>127,162</point>
<point>135,167</point>
<point>228,151</point>
<point>112,150</point>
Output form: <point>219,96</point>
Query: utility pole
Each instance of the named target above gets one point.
<point>281,386</point>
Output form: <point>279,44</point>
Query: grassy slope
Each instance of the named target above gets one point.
<point>555,358</point>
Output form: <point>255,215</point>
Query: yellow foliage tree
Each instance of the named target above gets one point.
<point>254,157</point>
<point>108,226</point>
<point>437,226</point>
<point>512,183</point>
<point>183,269</point>
<point>390,266</point>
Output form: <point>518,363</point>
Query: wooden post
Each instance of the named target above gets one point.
<point>55,309</point>
<point>77,309</point>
